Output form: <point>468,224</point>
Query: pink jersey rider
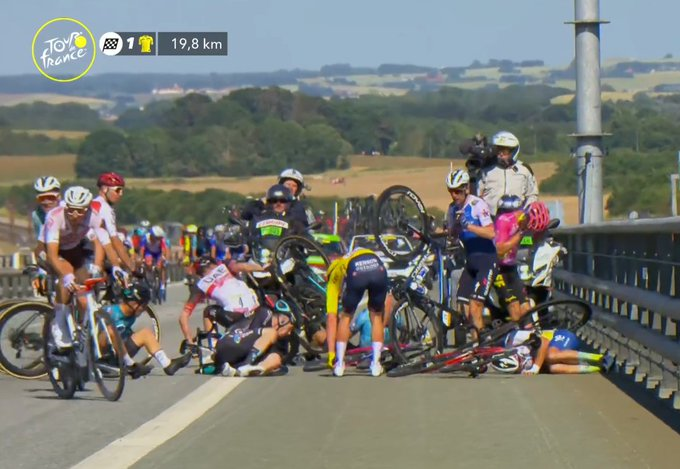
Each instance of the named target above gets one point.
<point>507,225</point>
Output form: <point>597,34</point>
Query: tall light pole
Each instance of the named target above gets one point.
<point>588,134</point>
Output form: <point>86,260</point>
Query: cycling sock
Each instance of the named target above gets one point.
<point>340,348</point>
<point>585,358</point>
<point>162,358</point>
<point>61,313</point>
<point>377,349</point>
<point>588,369</point>
<point>253,355</point>
<point>128,360</point>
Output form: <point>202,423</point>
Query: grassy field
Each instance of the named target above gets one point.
<point>368,175</point>
<point>23,169</point>
<point>56,134</point>
<point>50,98</point>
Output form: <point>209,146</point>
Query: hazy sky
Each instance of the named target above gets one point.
<point>266,35</point>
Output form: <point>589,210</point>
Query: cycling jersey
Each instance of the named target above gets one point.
<point>120,321</point>
<point>356,272</point>
<point>38,217</point>
<point>475,212</point>
<point>58,230</point>
<point>104,215</point>
<point>228,291</point>
<point>220,249</point>
<point>269,227</point>
<point>153,246</point>
<point>507,226</point>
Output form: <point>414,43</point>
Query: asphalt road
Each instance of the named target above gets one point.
<point>314,420</point>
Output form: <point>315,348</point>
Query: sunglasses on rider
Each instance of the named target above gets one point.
<point>76,211</point>
<point>457,191</point>
<point>47,197</point>
<point>117,189</point>
<point>278,201</point>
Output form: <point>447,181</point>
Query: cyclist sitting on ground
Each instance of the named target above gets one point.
<point>469,219</point>
<point>48,196</point>
<point>124,315</point>
<point>254,346</point>
<point>221,284</point>
<point>510,226</point>
<point>356,272</point>
<point>508,175</point>
<point>67,231</point>
<point>154,250</point>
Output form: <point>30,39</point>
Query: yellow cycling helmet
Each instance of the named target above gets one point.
<point>193,229</point>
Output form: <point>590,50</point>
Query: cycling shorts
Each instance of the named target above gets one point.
<point>365,273</point>
<point>233,347</point>
<point>76,256</point>
<point>509,286</point>
<point>477,277</point>
<point>565,340</point>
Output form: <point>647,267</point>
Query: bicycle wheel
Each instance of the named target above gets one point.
<point>61,368</point>
<point>21,339</point>
<point>413,331</point>
<point>306,254</point>
<point>561,314</point>
<point>148,319</point>
<point>397,208</point>
<point>106,357</point>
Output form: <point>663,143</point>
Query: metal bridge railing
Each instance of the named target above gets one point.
<point>630,272</point>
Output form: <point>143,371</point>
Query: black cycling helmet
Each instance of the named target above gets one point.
<point>509,203</point>
<point>137,292</point>
<point>202,231</point>
<point>279,192</point>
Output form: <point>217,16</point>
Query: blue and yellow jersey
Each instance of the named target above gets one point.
<point>336,275</point>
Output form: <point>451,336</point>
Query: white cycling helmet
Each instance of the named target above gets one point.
<point>457,178</point>
<point>220,228</point>
<point>145,223</point>
<point>157,232</point>
<point>509,364</point>
<point>47,184</point>
<point>507,140</point>
<point>294,175</point>
<point>77,197</point>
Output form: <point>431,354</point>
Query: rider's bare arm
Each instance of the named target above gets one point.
<point>487,231</point>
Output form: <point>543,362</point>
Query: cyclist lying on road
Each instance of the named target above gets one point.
<point>254,345</point>
<point>558,354</point>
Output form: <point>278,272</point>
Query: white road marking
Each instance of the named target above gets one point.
<point>125,451</point>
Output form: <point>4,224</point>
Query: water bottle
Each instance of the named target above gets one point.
<point>420,275</point>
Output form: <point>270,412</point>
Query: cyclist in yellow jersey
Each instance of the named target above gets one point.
<point>350,276</point>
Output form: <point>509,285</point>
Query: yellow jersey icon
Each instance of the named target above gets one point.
<point>146,42</point>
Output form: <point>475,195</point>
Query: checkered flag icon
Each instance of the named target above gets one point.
<point>111,43</point>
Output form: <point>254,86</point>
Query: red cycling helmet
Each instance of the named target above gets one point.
<point>111,180</point>
<point>539,217</point>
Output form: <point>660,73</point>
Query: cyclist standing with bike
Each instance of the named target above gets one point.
<point>353,274</point>
<point>470,221</point>
<point>508,175</point>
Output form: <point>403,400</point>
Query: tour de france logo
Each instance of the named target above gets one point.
<point>64,50</point>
